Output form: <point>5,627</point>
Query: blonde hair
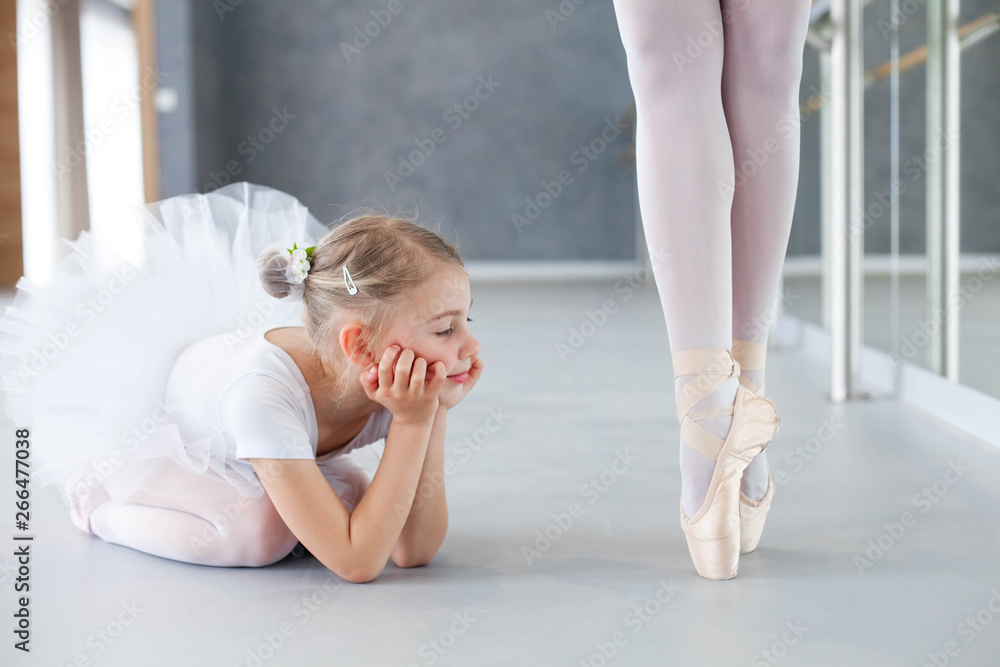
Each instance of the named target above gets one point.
<point>388,257</point>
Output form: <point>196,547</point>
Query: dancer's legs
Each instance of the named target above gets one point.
<point>760,90</point>
<point>683,154</point>
<point>180,524</point>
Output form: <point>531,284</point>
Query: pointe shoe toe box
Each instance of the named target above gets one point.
<point>752,515</point>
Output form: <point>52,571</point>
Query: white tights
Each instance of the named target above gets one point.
<point>716,88</point>
<point>192,518</point>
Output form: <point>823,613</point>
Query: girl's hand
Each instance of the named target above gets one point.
<point>400,385</point>
<point>474,372</point>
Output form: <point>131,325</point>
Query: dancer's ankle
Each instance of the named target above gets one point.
<point>753,484</point>
<point>696,468</point>
<point>756,377</point>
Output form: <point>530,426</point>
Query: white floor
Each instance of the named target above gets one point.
<point>876,552</point>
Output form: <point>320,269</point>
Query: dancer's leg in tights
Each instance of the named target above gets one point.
<point>685,170</point>
<point>764,44</point>
<point>210,524</point>
<point>683,152</point>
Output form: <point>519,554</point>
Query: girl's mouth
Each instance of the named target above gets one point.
<point>460,377</point>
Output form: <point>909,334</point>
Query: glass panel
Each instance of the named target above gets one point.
<point>897,317</point>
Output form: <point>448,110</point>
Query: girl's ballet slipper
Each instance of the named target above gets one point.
<point>82,499</point>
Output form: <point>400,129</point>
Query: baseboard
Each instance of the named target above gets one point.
<point>504,271</point>
<point>881,264</point>
<point>956,408</point>
<point>794,266</point>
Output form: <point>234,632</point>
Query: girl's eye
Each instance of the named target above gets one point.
<point>446,333</point>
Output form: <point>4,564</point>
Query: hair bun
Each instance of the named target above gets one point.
<point>273,269</point>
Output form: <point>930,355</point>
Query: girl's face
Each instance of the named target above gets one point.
<point>434,324</point>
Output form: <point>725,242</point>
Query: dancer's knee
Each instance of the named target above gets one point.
<point>269,539</point>
<point>679,57</point>
<point>773,77</point>
<point>769,53</point>
<point>269,547</point>
<point>258,537</point>
<point>661,71</point>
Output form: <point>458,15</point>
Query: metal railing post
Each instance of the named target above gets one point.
<point>942,157</point>
<point>847,200</point>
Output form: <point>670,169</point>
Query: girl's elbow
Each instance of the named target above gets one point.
<point>417,556</point>
<point>359,569</point>
<point>360,574</point>
<point>360,577</point>
<point>412,559</point>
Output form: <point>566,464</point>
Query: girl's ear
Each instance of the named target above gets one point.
<point>354,345</point>
<point>367,353</point>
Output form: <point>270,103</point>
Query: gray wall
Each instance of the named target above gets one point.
<point>175,58</point>
<point>355,116</point>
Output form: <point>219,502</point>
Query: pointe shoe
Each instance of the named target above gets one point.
<point>82,500</point>
<point>713,533</point>
<point>752,515</point>
<point>750,355</point>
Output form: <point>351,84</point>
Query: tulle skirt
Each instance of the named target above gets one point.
<point>84,359</point>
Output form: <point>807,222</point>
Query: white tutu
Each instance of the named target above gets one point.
<point>85,359</point>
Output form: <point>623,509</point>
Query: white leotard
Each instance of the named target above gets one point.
<point>253,391</point>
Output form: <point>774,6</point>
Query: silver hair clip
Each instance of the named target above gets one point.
<point>351,287</point>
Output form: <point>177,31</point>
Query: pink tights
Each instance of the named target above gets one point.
<point>716,88</point>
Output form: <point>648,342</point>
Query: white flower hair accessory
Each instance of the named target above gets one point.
<point>300,265</point>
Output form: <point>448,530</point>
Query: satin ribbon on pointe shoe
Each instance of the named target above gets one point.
<point>713,533</point>
<point>751,355</point>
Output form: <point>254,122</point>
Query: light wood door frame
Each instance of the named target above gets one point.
<point>11,240</point>
<point>144,22</point>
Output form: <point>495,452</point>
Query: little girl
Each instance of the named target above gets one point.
<point>210,406</point>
